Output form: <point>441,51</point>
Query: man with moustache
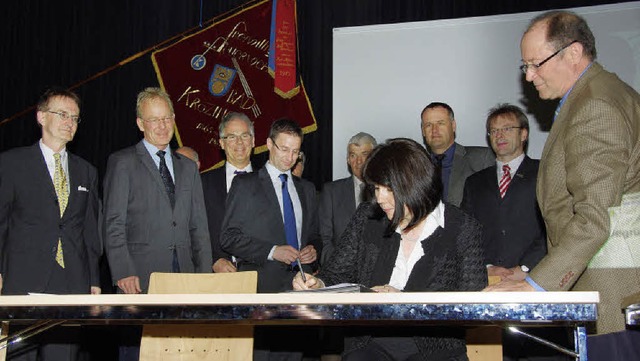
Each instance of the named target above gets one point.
<point>503,197</point>
<point>456,162</point>
<point>153,223</point>
<point>339,199</point>
<point>237,140</point>
<point>48,221</point>
<point>590,163</point>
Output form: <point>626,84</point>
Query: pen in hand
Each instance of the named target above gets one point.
<point>304,277</point>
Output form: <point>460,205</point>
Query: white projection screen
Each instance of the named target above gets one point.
<point>384,75</point>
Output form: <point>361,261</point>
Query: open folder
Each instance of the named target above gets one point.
<point>341,288</point>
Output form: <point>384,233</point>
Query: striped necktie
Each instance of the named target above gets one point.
<point>505,180</point>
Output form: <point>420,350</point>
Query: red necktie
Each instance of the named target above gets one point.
<point>505,180</point>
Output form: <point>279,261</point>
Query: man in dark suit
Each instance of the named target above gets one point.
<point>455,161</point>
<point>237,140</point>
<point>503,197</point>
<point>339,199</point>
<point>254,224</point>
<point>49,213</point>
<point>153,223</point>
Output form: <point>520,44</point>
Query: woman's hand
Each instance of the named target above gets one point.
<point>312,282</point>
<point>385,289</point>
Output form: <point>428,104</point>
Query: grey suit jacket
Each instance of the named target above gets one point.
<point>337,205</point>
<point>590,159</point>
<point>466,161</point>
<point>141,228</point>
<point>30,224</point>
<point>253,225</point>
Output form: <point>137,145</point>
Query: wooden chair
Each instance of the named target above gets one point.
<point>485,343</point>
<point>173,342</point>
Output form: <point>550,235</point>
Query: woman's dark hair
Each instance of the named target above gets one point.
<point>404,166</point>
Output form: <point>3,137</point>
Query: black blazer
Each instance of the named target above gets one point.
<point>214,187</point>
<point>337,205</point>
<point>453,261</point>
<point>253,225</point>
<point>30,224</point>
<point>514,230</point>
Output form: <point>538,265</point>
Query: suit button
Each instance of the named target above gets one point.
<point>60,226</point>
<point>174,223</point>
<point>504,233</point>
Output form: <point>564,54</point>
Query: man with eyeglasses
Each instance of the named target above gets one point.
<point>503,199</point>
<point>590,162</point>
<point>271,226</point>
<point>48,221</point>
<point>237,141</point>
<point>154,212</point>
<point>455,161</point>
<point>254,226</point>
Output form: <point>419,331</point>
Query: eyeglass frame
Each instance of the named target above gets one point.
<point>525,67</point>
<point>168,119</point>
<point>505,130</point>
<point>293,151</point>
<point>241,137</point>
<point>66,116</point>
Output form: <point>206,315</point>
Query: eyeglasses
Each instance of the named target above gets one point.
<point>66,116</point>
<point>167,119</point>
<point>506,130</point>
<point>295,152</point>
<point>237,137</point>
<point>535,67</point>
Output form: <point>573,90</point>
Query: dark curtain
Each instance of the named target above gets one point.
<point>64,42</point>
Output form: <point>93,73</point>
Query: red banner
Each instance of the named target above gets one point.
<point>225,68</point>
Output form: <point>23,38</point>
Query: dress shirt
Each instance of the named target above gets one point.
<point>404,266</point>
<point>274,174</point>
<point>230,170</point>
<point>47,153</point>
<point>357,188</point>
<point>152,149</point>
<point>514,164</point>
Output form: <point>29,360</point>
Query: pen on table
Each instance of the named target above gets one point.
<point>304,277</point>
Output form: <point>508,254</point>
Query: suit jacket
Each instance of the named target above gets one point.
<point>30,224</point>
<point>590,159</point>
<point>214,188</point>
<point>466,161</point>
<point>513,228</point>
<point>253,225</point>
<point>337,204</point>
<point>142,229</point>
<point>452,261</point>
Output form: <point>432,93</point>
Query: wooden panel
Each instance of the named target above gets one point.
<point>484,343</point>
<point>199,342</point>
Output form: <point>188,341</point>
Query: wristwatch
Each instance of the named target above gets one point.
<point>525,269</point>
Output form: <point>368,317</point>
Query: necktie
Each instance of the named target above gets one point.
<point>505,180</point>
<point>289,217</point>
<point>236,172</point>
<point>439,159</point>
<point>360,194</point>
<point>166,178</point>
<point>62,192</point>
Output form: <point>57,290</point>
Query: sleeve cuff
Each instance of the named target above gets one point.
<point>534,284</point>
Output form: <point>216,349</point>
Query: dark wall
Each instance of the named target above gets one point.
<point>64,42</point>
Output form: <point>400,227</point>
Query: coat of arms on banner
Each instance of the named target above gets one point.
<point>221,80</point>
<point>225,68</point>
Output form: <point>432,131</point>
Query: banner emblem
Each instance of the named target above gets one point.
<point>221,80</point>
<point>198,62</point>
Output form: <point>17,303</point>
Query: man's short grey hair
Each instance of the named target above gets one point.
<point>152,93</point>
<point>232,116</point>
<point>362,138</point>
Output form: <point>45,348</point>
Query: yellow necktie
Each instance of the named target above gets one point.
<point>60,184</point>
